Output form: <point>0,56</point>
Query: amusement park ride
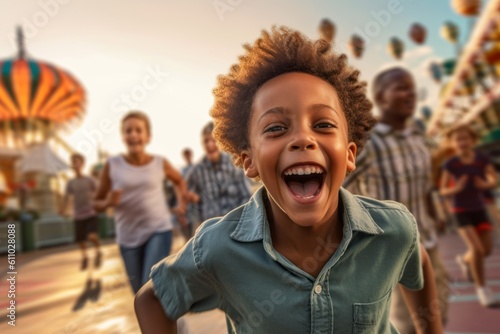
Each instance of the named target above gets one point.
<point>37,101</point>
<point>472,93</point>
<point>469,84</point>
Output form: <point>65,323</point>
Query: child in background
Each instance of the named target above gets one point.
<point>303,255</point>
<point>191,220</point>
<point>82,188</point>
<point>187,154</point>
<point>472,173</point>
<point>133,184</point>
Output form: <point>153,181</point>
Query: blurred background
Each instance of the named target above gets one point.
<point>70,69</point>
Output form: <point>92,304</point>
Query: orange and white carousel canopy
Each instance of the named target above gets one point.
<point>35,90</point>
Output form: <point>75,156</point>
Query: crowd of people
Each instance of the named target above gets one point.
<point>344,197</point>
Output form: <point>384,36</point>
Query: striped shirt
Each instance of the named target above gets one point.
<point>221,186</point>
<point>396,165</point>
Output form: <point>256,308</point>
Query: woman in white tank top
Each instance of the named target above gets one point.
<point>133,185</point>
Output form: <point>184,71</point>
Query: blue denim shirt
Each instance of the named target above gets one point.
<point>231,264</point>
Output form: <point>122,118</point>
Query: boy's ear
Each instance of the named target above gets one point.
<point>248,165</point>
<point>351,156</point>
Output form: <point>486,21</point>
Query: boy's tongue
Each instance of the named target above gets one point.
<point>304,189</point>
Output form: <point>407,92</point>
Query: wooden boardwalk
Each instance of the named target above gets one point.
<point>54,297</point>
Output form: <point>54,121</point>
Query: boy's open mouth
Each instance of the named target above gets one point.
<point>304,181</point>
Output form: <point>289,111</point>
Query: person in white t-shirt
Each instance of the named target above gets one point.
<point>132,183</point>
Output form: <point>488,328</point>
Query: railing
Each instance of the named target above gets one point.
<point>47,231</point>
<point>53,230</point>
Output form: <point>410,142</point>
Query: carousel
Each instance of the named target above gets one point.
<point>468,82</point>
<point>472,94</point>
<point>38,100</point>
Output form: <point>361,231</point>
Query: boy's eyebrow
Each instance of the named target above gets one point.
<point>322,105</point>
<point>281,110</point>
<point>275,110</point>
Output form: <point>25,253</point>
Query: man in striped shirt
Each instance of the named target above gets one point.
<point>219,186</point>
<point>395,164</point>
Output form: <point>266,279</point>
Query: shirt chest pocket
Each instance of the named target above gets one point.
<point>370,318</point>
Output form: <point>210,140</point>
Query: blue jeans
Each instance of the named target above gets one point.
<point>139,260</point>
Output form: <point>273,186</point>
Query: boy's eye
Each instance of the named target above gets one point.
<point>274,128</point>
<point>325,125</point>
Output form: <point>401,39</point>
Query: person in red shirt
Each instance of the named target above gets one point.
<point>473,174</point>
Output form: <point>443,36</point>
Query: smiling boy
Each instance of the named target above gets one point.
<point>303,255</point>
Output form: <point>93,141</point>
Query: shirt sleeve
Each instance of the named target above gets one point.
<point>412,275</point>
<point>182,284</point>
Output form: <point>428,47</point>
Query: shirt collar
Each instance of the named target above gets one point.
<point>253,219</point>
<point>222,160</point>
<point>356,216</point>
<point>385,129</point>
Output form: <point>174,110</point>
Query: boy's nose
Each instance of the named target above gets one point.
<point>302,142</point>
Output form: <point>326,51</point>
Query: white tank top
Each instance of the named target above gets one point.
<point>142,210</point>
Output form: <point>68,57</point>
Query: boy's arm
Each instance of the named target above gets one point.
<point>179,284</point>
<point>424,304</point>
<point>152,319</point>
<point>64,205</point>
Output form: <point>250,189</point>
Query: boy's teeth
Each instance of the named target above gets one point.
<point>307,170</point>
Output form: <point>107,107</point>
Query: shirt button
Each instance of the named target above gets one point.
<point>318,289</point>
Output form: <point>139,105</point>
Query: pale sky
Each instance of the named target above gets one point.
<point>163,56</point>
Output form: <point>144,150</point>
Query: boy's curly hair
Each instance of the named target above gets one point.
<point>280,51</point>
